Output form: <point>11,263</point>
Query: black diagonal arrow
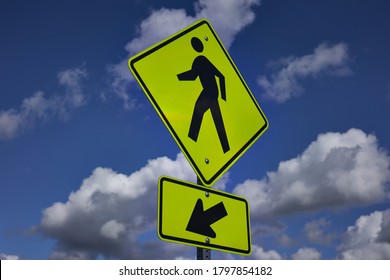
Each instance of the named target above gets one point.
<point>201,221</point>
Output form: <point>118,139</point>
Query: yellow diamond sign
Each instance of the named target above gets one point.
<point>201,97</point>
<point>200,216</point>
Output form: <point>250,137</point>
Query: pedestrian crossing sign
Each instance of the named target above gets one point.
<point>200,95</point>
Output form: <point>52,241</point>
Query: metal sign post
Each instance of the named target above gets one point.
<point>202,253</point>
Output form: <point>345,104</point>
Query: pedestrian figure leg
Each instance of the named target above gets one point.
<point>201,106</point>
<point>218,121</point>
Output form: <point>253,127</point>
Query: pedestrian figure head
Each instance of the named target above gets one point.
<point>197,44</point>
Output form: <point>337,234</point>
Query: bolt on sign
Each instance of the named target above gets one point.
<point>200,216</point>
<point>200,95</point>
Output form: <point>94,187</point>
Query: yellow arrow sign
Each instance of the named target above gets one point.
<point>201,97</point>
<point>199,216</point>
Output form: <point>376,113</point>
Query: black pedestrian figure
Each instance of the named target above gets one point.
<point>208,98</point>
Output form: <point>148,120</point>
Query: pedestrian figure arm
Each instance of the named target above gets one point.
<point>189,75</point>
<point>221,84</point>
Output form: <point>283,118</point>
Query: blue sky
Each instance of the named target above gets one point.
<point>81,147</point>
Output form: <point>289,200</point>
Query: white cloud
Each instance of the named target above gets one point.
<point>365,239</point>
<point>112,229</point>
<point>38,107</point>
<point>384,234</point>
<point>114,214</point>
<point>71,79</point>
<point>259,253</point>
<point>10,124</point>
<point>159,25</point>
<point>306,254</point>
<point>318,231</point>
<point>337,170</point>
<point>227,16</point>
<point>8,257</point>
<point>285,83</point>
<point>285,241</point>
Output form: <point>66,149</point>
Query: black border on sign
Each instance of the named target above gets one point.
<point>161,113</point>
<point>193,242</point>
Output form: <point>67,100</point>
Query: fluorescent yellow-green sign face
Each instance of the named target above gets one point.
<point>203,100</point>
<point>199,216</point>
